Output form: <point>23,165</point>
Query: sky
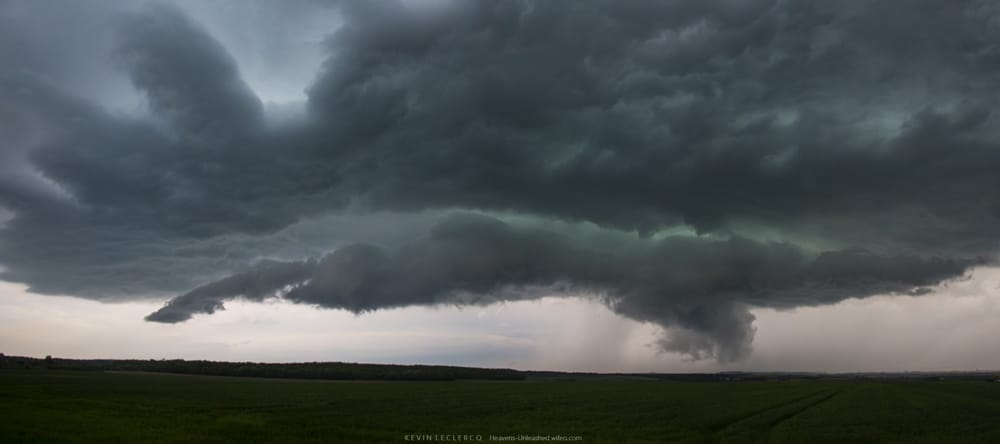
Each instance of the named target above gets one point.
<point>596,185</point>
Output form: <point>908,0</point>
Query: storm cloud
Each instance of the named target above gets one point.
<point>680,161</point>
<point>702,287</point>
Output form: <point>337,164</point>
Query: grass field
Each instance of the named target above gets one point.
<point>62,406</point>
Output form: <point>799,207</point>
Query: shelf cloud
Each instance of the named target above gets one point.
<point>703,287</point>
<point>680,161</point>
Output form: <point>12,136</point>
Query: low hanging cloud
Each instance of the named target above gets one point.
<point>805,152</point>
<point>701,286</point>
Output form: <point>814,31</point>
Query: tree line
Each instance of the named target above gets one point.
<point>299,370</point>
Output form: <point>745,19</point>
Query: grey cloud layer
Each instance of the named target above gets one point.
<point>188,77</point>
<point>701,286</point>
<point>826,126</point>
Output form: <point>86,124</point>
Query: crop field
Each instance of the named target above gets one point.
<point>38,406</point>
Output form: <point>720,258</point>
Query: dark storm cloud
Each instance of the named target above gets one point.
<point>699,285</point>
<point>636,115</point>
<point>187,75</point>
<point>858,136</point>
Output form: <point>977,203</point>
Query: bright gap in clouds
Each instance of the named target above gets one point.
<point>884,333</point>
<point>278,47</point>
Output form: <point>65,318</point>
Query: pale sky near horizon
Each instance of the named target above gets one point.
<point>596,185</point>
<point>882,333</point>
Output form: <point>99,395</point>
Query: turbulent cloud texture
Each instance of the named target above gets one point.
<point>680,160</point>
<point>701,286</point>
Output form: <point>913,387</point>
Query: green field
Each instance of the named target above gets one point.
<point>65,406</point>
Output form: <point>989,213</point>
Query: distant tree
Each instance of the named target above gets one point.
<point>48,360</point>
